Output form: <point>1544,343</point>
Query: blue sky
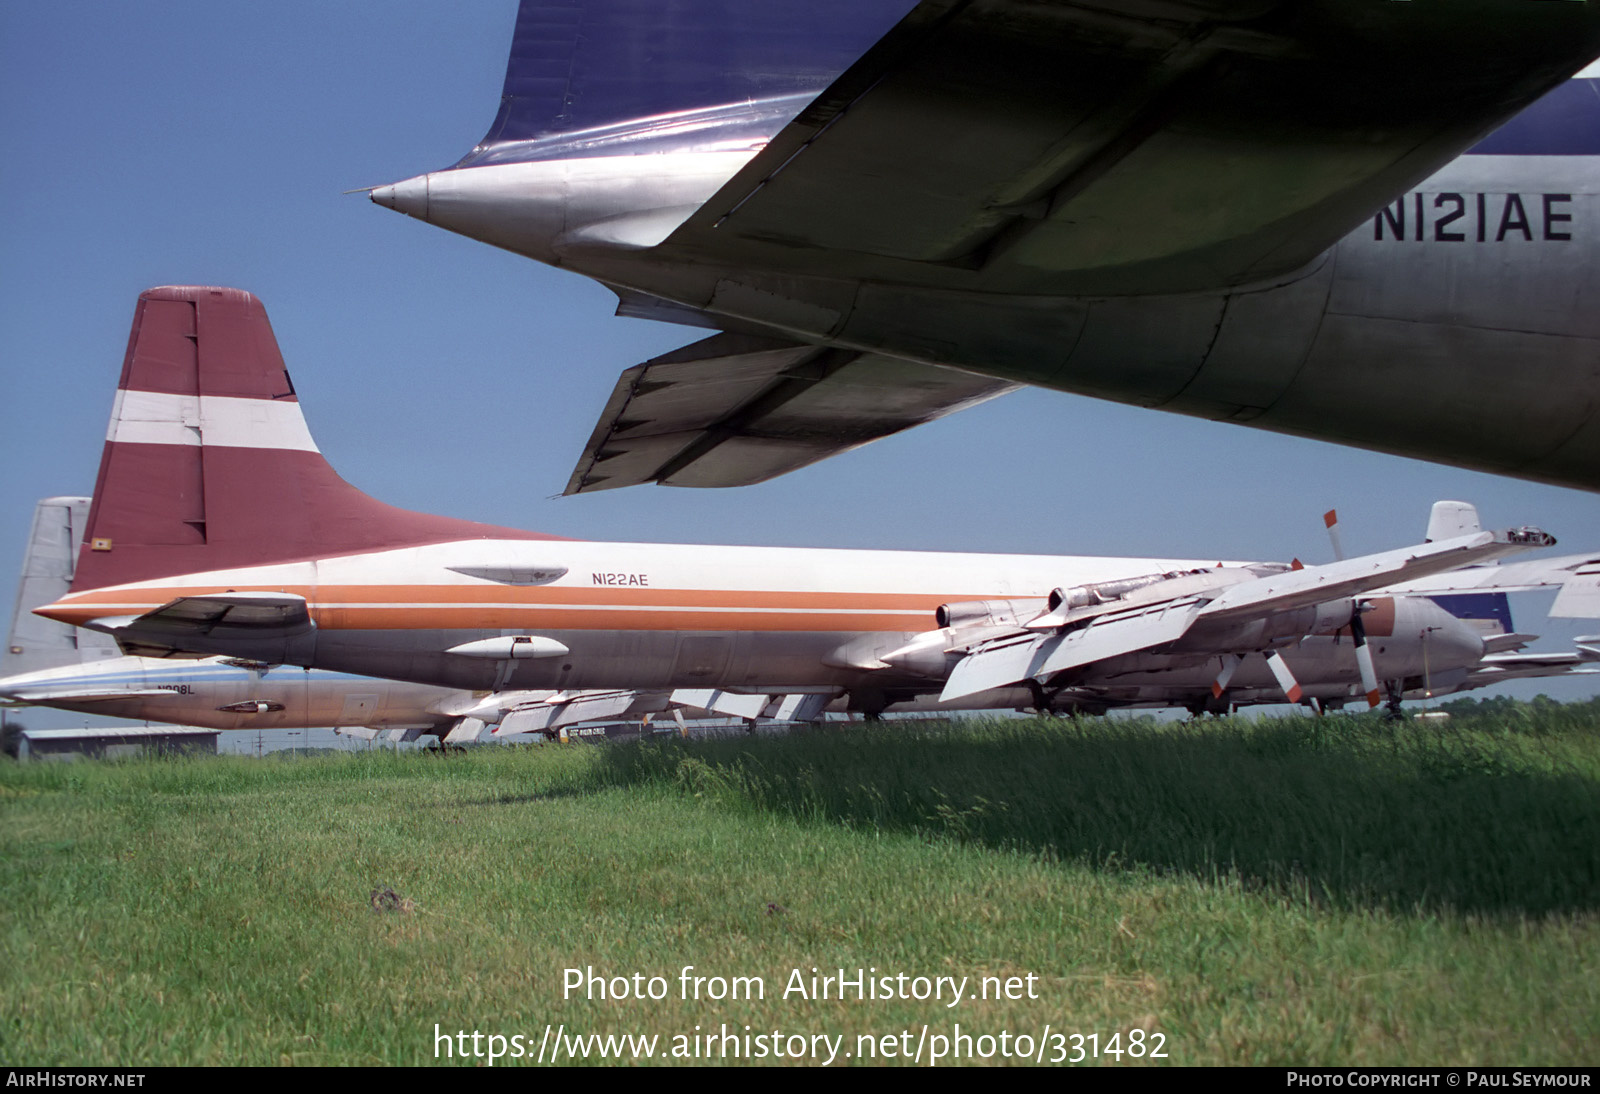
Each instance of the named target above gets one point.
<point>150,144</point>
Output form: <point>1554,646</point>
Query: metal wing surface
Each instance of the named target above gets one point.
<point>1317,584</point>
<point>736,409</point>
<point>1132,146</point>
<point>1009,660</point>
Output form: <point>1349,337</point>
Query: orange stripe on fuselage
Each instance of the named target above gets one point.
<point>458,607</point>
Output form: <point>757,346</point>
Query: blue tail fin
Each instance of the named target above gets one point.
<point>583,67</point>
<point>1489,613</point>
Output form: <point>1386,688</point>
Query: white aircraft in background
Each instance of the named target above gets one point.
<point>67,668</point>
<point>1363,221</point>
<point>217,527</point>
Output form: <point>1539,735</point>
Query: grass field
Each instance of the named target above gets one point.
<point>1321,891</point>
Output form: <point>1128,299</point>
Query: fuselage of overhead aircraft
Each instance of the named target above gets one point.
<point>252,547</point>
<point>1371,224</point>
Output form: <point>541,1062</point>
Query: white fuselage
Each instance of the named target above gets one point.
<point>659,616</point>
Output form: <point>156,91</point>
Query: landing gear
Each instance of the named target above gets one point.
<point>1218,705</point>
<point>1043,701</point>
<point>1391,706</point>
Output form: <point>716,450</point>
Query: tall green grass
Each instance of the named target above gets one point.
<point>1353,812</point>
<point>1302,891</point>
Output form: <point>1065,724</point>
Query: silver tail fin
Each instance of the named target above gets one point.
<point>47,569</point>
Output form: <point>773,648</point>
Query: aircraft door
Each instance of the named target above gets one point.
<point>702,659</point>
<point>359,709</point>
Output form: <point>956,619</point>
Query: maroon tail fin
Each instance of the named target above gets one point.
<point>208,463</point>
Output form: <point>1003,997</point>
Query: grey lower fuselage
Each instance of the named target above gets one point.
<point>1460,324</point>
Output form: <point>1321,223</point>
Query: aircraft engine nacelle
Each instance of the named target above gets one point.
<point>1267,631</point>
<point>1150,587</point>
<point>1101,592</point>
<point>989,613</point>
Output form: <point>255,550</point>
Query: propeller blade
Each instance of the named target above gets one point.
<point>1369,674</point>
<point>1331,519</point>
<point>1230,665</point>
<point>1286,681</point>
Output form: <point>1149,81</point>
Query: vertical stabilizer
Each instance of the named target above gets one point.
<point>36,642</point>
<point>1487,613</point>
<point>587,67</point>
<point>208,463</point>
<point>1452,518</point>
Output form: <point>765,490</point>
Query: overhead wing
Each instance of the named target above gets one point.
<point>1136,146</point>
<point>736,409</point>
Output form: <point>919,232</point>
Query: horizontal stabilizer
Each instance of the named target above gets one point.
<point>48,695</point>
<point>737,409</point>
<point>253,618</point>
<point>1506,643</point>
<point>276,612</point>
<point>1497,668</point>
<point>1580,595</point>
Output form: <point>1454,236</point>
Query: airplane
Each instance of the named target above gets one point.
<point>51,664</point>
<point>218,528</point>
<point>1373,223</point>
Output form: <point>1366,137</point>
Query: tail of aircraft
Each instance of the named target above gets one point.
<point>580,70</point>
<point>35,642</point>
<point>208,463</point>
<point>1488,613</point>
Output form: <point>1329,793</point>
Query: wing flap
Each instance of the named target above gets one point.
<point>733,704</point>
<point>564,709</point>
<point>737,409</point>
<point>1012,660</point>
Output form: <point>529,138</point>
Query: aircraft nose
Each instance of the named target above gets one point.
<point>409,197</point>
